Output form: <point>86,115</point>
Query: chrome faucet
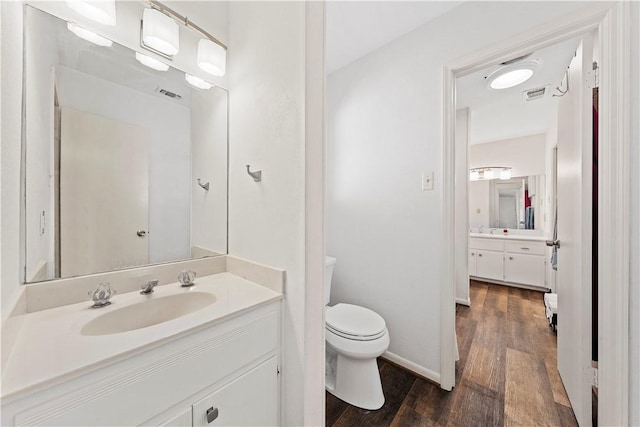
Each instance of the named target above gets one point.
<point>102,294</point>
<point>147,288</point>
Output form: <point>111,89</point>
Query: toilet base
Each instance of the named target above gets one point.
<point>355,381</point>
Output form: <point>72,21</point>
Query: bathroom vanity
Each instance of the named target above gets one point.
<point>510,259</point>
<point>215,365</point>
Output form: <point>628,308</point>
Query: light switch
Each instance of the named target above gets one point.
<point>427,181</point>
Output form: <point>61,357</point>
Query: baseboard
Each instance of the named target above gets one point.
<point>413,367</point>
<point>463,301</point>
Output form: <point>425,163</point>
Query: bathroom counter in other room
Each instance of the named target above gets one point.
<point>50,349</point>
<point>509,237</point>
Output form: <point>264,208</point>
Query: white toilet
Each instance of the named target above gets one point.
<point>355,336</point>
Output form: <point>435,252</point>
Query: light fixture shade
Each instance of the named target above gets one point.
<point>197,82</point>
<point>488,174</point>
<point>475,175</point>
<point>512,74</point>
<point>85,34</point>
<point>212,58</point>
<point>101,11</point>
<point>151,62</point>
<point>160,32</point>
<point>505,173</point>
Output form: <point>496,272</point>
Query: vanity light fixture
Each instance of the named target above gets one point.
<point>85,34</point>
<point>197,82</point>
<point>505,173</point>
<point>160,33</point>
<point>212,57</point>
<point>211,52</point>
<point>101,11</point>
<point>512,75</point>
<point>487,173</point>
<point>151,62</point>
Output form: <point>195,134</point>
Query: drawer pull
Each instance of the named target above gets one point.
<point>212,414</point>
<point>479,254</point>
<point>525,249</point>
<point>472,253</point>
<point>511,258</point>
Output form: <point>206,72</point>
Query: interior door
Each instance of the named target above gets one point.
<point>574,234</point>
<point>104,193</point>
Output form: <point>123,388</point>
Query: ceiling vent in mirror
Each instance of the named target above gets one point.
<point>533,94</point>
<point>168,93</point>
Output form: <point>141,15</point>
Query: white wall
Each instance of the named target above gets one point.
<point>384,128</point>
<point>10,135</point>
<point>169,153</point>
<point>525,155</point>
<point>267,131</point>
<point>39,111</point>
<point>209,163</point>
<point>634,221</point>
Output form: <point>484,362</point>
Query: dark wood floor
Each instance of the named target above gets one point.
<point>506,374</point>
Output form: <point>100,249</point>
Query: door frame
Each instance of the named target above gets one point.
<point>613,25</point>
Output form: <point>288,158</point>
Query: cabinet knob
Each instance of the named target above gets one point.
<point>212,414</point>
<point>473,253</point>
<point>479,254</point>
<point>511,258</point>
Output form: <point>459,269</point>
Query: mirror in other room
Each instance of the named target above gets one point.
<point>515,203</point>
<point>124,165</point>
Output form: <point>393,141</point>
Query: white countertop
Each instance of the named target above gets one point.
<point>509,237</point>
<point>49,347</point>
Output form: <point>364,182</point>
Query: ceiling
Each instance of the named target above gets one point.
<point>356,28</point>
<point>503,114</point>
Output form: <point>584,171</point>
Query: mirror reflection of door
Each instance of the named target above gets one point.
<point>508,210</point>
<point>104,196</point>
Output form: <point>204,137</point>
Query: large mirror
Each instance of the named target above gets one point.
<point>124,165</point>
<point>515,203</point>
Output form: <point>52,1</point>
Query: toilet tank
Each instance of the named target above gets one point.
<point>329,263</point>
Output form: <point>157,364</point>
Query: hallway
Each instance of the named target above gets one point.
<point>506,373</point>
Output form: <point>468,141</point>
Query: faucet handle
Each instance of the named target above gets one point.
<point>147,288</point>
<point>102,294</point>
<point>186,278</point>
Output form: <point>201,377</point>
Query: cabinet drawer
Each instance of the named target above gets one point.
<point>486,244</point>
<point>525,247</point>
<point>251,400</point>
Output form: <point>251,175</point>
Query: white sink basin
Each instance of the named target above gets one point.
<point>148,313</point>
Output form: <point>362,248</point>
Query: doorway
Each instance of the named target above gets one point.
<point>611,270</point>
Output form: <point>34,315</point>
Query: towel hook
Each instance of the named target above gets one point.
<point>257,175</point>
<point>205,185</point>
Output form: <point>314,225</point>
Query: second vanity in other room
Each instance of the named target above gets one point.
<point>517,259</point>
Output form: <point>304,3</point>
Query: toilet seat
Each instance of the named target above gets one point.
<point>354,322</point>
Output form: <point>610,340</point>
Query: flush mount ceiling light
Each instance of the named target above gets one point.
<point>197,82</point>
<point>160,32</point>
<point>101,11</point>
<point>151,62</point>
<point>212,57</point>
<point>486,173</point>
<point>90,36</point>
<point>512,75</point>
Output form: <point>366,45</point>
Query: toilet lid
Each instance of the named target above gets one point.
<point>354,321</point>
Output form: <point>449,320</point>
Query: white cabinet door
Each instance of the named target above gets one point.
<point>473,257</point>
<point>524,269</point>
<point>490,265</point>
<point>250,400</point>
<point>184,419</point>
